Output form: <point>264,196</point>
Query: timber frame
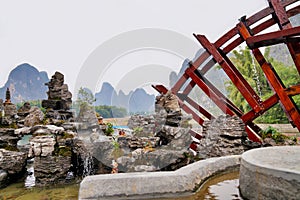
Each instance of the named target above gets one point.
<point>248,30</point>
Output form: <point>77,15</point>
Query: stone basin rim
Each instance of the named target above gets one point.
<point>150,185</point>
<point>249,159</point>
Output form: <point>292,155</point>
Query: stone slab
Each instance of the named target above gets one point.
<point>271,173</point>
<point>144,185</point>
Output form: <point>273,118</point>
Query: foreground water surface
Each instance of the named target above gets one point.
<point>19,192</point>
<point>219,187</point>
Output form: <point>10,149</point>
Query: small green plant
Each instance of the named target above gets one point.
<point>65,151</point>
<point>268,132</point>
<point>66,135</point>
<point>45,120</point>
<point>117,151</point>
<point>13,125</point>
<point>137,130</point>
<point>10,148</point>
<point>273,133</point>
<point>115,143</point>
<point>109,129</point>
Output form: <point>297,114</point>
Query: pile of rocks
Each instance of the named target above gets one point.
<point>8,138</point>
<point>167,105</point>
<point>158,141</point>
<point>138,142</point>
<point>12,165</point>
<point>59,98</point>
<point>87,119</point>
<point>24,110</point>
<point>223,136</point>
<point>56,152</point>
<point>144,125</point>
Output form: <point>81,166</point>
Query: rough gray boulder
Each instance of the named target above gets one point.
<point>8,138</point>
<point>223,136</point>
<point>51,170</point>
<point>24,110</point>
<point>35,117</point>
<point>59,96</point>
<point>12,161</point>
<point>3,178</point>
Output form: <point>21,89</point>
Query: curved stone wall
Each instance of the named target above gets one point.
<point>148,185</point>
<point>271,173</point>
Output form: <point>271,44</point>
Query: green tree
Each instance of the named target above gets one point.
<point>85,96</point>
<point>111,111</point>
<point>252,72</point>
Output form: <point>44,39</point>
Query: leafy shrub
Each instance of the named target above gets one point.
<point>109,129</point>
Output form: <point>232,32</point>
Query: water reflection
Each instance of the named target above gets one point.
<point>217,188</point>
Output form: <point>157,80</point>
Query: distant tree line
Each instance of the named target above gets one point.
<point>111,111</point>
<point>86,98</point>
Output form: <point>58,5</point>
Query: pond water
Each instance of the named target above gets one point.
<point>218,188</point>
<point>17,191</point>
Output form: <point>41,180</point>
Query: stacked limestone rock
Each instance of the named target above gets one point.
<point>12,165</point>
<point>56,152</point>
<point>87,119</point>
<point>59,98</point>
<point>158,141</point>
<point>24,110</point>
<point>167,105</point>
<point>223,136</point>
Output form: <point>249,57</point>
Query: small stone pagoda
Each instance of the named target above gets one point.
<point>59,98</point>
<point>8,109</point>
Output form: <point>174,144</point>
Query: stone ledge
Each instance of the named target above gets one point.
<point>271,173</point>
<point>145,185</point>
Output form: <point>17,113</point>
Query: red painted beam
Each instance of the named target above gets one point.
<point>272,38</point>
<point>284,23</point>
<point>267,104</point>
<point>238,80</point>
<point>195,134</point>
<point>195,105</point>
<point>274,81</point>
<point>180,83</point>
<point>197,78</point>
<point>293,90</point>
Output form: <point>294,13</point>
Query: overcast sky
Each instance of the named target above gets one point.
<point>61,34</point>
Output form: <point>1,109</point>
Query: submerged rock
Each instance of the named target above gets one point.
<point>3,178</point>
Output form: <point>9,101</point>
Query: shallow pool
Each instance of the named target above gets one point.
<point>17,191</point>
<point>217,188</point>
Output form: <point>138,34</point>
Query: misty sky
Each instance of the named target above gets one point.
<point>61,34</point>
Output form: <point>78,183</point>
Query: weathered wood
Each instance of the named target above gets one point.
<point>194,76</point>
<point>237,79</point>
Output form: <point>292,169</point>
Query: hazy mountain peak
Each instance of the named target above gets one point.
<point>25,83</point>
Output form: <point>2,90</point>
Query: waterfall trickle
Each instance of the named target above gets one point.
<point>88,164</point>
<point>30,179</point>
<point>256,78</point>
